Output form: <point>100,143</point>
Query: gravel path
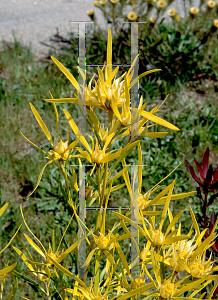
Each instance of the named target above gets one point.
<point>35,21</point>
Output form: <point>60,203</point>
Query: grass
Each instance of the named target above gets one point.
<point>193,109</point>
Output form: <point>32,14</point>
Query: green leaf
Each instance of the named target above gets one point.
<point>8,269</point>
<point>66,73</point>
<point>29,281</point>
<point>11,240</point>
<point>2,210</point>
<point>41,124</point>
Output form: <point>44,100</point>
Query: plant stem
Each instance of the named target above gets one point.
<point>70,198</point>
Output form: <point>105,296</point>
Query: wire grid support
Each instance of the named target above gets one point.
<point>134,244</point>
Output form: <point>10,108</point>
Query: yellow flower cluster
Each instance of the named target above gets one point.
<point>171,249</point>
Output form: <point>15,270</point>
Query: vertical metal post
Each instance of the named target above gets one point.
<point>134,75</point>
<point>82,65</point>
<point>82,230</point>
<point>134,169</point>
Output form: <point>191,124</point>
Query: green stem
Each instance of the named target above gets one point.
<point>104,184</point>
<point>70,198</point>
<point>97,272</point>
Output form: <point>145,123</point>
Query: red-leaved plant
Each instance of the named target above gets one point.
<point>209,183</point>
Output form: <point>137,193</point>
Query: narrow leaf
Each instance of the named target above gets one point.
<point>66,73</point>
<point>41,124</point>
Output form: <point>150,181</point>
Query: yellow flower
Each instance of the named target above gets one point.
<point>178,18</point>
<point>51,257</point>
<point>103,2</point>
<point>114,1</point>
<point>152,20</point>
<point>185,249</point>
<point>132,3</point>
<point>211,4</point>
<point>55,256</point>
<point>91,293</point>
<point>201,268</point>
<point>103,242</point>
<point>132,16</point>
<point>96,3</point>
<point>142,201</point>
<point>107,91</point>
<point>161,3</point>
<point>137,282</point>
<point>180,255</point>
<point>98,155</point>
<point>215,23</point>
<point>194,10</point>
<point>90,12</point>
<point>172,12</point>
<point>167,289</point>
<point>61,151</point>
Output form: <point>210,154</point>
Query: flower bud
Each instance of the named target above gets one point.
<point>157,237</point>
<point>98,155</point>
<point>60,147</point>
